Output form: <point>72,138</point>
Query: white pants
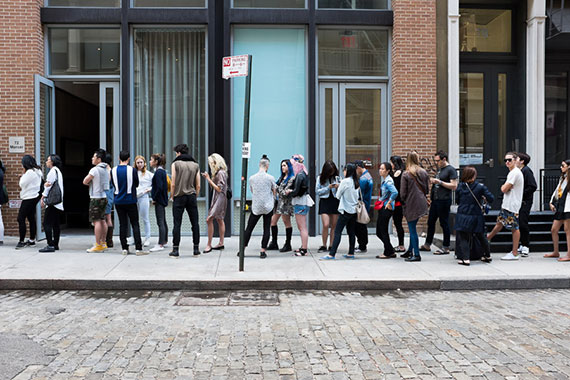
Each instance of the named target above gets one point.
<point>1,226</point>
<point>143,204</point>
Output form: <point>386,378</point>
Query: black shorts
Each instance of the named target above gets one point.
<point>561,215</point>
<point>328,205</point>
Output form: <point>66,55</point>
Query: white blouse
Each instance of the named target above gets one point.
<point>145,183</point>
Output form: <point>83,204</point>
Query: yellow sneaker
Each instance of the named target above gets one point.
<point>96,248</point>
<point>104,246</point>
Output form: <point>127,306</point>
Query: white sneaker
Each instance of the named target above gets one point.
<point>142,253</point>
<point>510,257</point>
<point>157,248</point>
<point>524,251</point>
<point>125,252</point>
<point>146,243</point>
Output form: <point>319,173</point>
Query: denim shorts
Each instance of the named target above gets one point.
<point>301,210</point>
<point>508,219</point>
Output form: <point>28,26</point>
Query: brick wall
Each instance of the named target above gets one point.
<point>414,78</point>
<point>21,56</point>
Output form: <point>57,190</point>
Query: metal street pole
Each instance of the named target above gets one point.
<point>244,166</point>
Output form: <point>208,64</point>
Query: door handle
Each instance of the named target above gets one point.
<point>490,163</point>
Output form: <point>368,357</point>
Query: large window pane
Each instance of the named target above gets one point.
<point>485,30</point>
<point>471,115</point>
<point>85,3</point>
<point>353,4</point>
<point>84,51</point>
<point>269,3</point>
<point>170,3</point>
<point>556,123</point>
<point>169,92</point>
<point>278,122</point>
<point>353,52</point>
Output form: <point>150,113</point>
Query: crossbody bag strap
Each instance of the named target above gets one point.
<point>474,197</point>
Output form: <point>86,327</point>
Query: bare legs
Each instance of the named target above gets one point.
<point>221,229</point>
<point>329,222</point>
<point>286,220</point>
<point>516,237</point>
<point>100,231</point>
<point>302,225</point>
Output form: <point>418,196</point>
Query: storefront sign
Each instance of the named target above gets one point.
<point>470,159</point>
<point>246,150</point>
<point>16,144</point>
<point>235,66</point>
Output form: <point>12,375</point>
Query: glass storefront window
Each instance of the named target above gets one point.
<point>85,3</point>
<point>269,3</point>
<point>74,51</point>
<point>556,113</point>
<point>278,120</point>
<point>353,52</point>
<point>471,113</point>
<point>353,4</point>
<point>169,3</point>
<point>169,92</point>
<point>485,30</point>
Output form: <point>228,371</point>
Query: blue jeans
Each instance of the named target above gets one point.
<point>414,240</point>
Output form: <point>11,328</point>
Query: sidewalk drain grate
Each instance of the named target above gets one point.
<point>222,298</point>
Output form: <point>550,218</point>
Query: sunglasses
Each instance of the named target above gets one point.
<point>508,159</point>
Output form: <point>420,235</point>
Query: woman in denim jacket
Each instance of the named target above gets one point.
<point>386,200</point>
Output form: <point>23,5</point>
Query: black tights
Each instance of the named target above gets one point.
<point>27,211</point>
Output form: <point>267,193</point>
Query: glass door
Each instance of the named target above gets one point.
<point>109,118</point>
<point>353,126</point>
<point>44,95</point>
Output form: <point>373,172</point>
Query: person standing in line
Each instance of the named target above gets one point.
<point>30,192</point>
<point>443,184</point>
<point>53,212</point>
<point>327,183</point>
<point>219,185</point>
<point>159,195</point>
<point>560,205</point>
<point>398,214</point>
<point>512,201</point>
<point>528,192</point>
<point>415,185</point>
<point>184,192</point>
<point>387,198</point>
<point>283,208</point>
<point>98,182</point>
<point>347,194</point>
<point>263,189</point>
<point>110,202</point>
<point>3,200</point>
<point>143,196</point>
<point>301,201</point>
<point>366,186</point>
<point>470,221</point>
<point>126,181</point>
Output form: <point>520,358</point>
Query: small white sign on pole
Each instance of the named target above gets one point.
<point>16,144</point>
<point>235,66</point>
<point>245,150</point>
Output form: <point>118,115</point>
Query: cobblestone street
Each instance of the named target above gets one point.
<point>302,335</point>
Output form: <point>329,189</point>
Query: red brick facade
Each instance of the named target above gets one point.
<point>22,56</point>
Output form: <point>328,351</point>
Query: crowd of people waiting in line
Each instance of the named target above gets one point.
<point>405,191</point>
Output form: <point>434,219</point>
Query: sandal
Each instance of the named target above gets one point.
<point>441,251</point>
<point>463,262</point>
<point>399,250</point>
<point>564,258</point>
<point>219,247</point>
<point>387,257</point>
<point>300,252</point>
<point>486,259</point>
<point>425,248</point>
<point>551,256</point>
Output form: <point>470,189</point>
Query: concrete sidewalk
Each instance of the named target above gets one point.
<point>73,268</point>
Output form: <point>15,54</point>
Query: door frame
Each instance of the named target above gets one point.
<point>115,86</point>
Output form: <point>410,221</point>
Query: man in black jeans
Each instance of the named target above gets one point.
<point>125,180</point>
<point>185,188</point>
<point>443,184</point>
<point>524,213</point>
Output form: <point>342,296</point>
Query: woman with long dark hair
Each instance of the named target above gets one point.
<point>283,208</point>
<point>387,199</point>
<point>53,212</point>
<point>327,183</point>
<point>415,187</point>
<point>560,205</point>
<point>347,194</point>
<point>159,195</point>
<point>30,192</point>
<point>398,214</point>
<point>469,221</point>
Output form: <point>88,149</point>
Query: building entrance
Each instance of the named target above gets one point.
<point>86,116</point>
<point>353,126</point>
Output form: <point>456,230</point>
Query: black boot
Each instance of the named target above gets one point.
<point>287,246</point>
<point>273,244</point>
<point>174,252</point>
<point>109,237</point>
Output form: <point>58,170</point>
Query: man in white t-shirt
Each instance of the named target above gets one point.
<point>98,182</point>
<point>512,201</point>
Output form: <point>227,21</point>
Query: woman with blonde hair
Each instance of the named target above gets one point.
<point>414,192</point>
<point>219,184</point>
<point>143,195</point>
